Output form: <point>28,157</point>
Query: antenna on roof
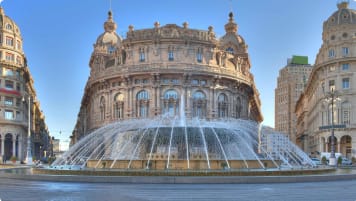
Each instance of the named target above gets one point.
<point>109,4</point>
<point>230,5</point>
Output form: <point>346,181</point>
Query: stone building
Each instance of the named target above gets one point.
<point>290,84</point>
<point>332,75</point>
<point>167,70</point>
<point>16,89</point>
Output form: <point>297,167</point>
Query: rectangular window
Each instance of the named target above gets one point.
<point>9,101</point>
<point>331,53</point>
<point>346,117</point>
<point>18,102</point>
<point>199,56</point>
<point>9,115</point>
<point>345,66</point>
<point>18,116</point>
<point>137,81</point>
<point>9,57</point>
<point>170,55</point>
<point>332,85</point>
<point>175,81</point>
<point>8,72</point>
<point>346,83</point>
<point>9,85</point>
<point>142,56</point>
<point>202,82</point>
<point>9,41</point>
<point>345,51</point>
<point>195,82</point>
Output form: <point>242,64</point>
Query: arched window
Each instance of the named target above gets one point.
<point>222,106</point>
<point>142,104</point>
<point>230,50</point>
<point>199,104</point>
<point>171,102</point>
<point>119,106</point>
<point>8,27</point>
<point>102,108</point>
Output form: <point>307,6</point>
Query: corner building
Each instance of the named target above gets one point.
<point>334,73</point>
<point>16,86</point>
<point>167,70</point>
<point>290,84</point>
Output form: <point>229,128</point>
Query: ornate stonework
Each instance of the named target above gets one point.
<point>16,84</point>
<point>334,71</point>
<point>154,71</point>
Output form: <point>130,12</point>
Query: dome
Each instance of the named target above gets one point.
<point>109,36</point>
<point>343,16</point>
<point>12,41</point>
<point>6,23</point>
<point>232,41</point>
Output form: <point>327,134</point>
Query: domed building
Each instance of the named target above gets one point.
<point>167,70</point>
<point>16,90</point>
<point>327,106</point>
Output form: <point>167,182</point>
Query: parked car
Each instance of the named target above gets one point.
<point>316,161</point>
<point>346,161</point>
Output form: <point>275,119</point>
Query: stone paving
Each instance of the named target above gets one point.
<point>20,190</point>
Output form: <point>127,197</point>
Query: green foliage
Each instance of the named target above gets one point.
<point>339,160</point>
<point>13,158</point>
<point>51,159</point>
<point>103,164</point>
<point>353,159</point>
<point>323,160</point>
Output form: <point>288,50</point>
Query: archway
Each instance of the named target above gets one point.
<point>346,146</point>
<point>8,146</point>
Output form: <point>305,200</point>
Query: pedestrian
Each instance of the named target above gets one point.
<point>3,159</point>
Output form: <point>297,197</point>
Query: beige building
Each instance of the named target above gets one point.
<point>16,86</point>
<point>333,74</point>
<point>167,70</point>
<point>290,84</point>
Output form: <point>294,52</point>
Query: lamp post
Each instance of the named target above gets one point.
<point>332,159</point>
<point>28,159</point>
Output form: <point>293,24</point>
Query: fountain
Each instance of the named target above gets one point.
<point>172,143</point>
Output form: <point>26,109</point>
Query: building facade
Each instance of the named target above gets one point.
<point>167,70</point>
<point>17,97</point>
<point>329,99</point>
<point>290,85</point>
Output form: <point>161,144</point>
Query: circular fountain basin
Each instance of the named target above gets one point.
<point>170,143</point>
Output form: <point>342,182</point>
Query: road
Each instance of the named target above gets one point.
<point>21,190</point>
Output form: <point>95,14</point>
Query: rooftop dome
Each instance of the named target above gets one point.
<point>8,25</point>
<point>109,36</point>
<point>232,41</point>
<point>343,16</point>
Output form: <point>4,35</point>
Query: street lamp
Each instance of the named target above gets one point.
<point>332,98</point>
<point>28,159</point>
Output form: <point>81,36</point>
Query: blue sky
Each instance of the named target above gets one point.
<point>59,36</point>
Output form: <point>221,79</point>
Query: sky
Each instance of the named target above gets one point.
<point>58,38</point>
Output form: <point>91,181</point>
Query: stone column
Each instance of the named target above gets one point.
<point>20,148</point>
<point>338,147</point>
<point>13,145</point>
<point>3,145</point>
<point>321,144</point>
<point>159,100</point>
<point>212,109</point>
